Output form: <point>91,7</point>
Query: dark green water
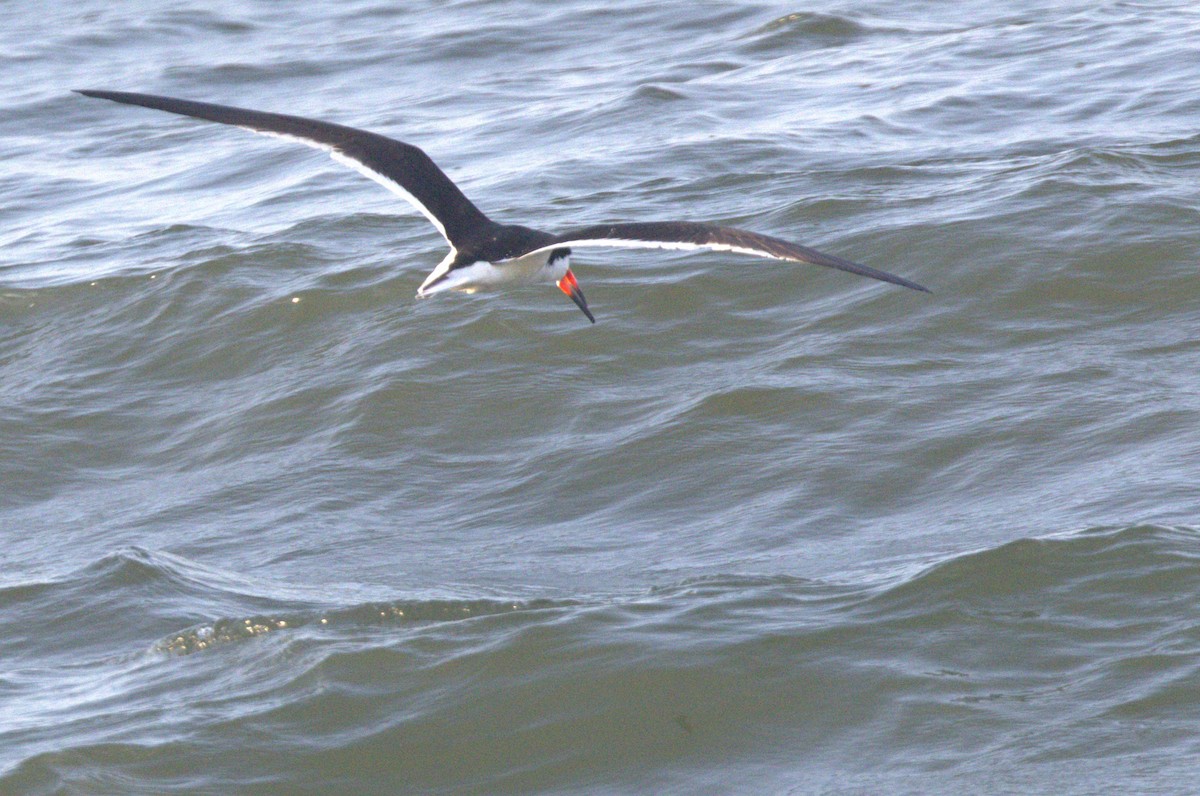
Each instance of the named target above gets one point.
<point>271,525</point>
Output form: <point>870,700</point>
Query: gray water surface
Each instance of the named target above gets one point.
<point>272,525</point>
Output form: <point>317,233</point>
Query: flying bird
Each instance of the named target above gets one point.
<point>484,252</point>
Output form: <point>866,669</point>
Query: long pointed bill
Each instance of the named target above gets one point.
<point>570,285</point>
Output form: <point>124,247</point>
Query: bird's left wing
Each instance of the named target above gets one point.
<point>692,235</point>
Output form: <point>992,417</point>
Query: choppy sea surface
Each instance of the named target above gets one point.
<point>271,525</point>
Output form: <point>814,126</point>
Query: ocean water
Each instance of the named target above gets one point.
<point>271,525</point>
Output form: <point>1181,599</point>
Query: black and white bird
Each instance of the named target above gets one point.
<point>483,252</point>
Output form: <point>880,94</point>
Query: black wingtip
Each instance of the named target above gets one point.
<point>884,276</point>
<point>113,96</point>
<point>830,261</point>
<point>127,97</point>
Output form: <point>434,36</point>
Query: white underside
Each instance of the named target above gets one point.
<point>533,268</point>
<point>627,243</point>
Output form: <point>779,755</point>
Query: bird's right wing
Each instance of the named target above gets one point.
<point>693,235</point>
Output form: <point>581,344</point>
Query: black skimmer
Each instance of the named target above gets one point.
<point>483,252</point>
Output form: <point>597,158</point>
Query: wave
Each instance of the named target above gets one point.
<point>1068,636</point>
